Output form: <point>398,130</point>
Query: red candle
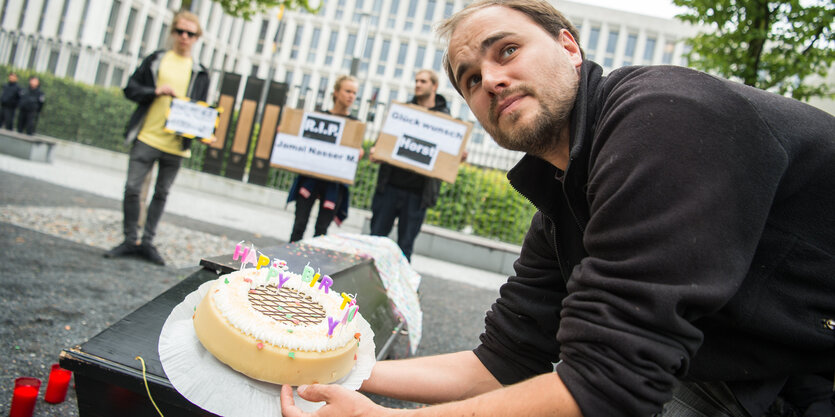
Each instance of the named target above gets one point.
<point>24,396</point>
<point>56,388</point>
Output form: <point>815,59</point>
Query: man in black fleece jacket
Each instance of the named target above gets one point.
<point>681,261</point>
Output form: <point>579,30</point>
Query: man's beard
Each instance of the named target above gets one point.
<point>540,135</point>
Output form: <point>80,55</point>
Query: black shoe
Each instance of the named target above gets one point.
<point>149,252</point>
<point>124,249</point>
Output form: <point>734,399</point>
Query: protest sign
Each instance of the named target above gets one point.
<point>427,142</point>
<point>191,119</point>
<point>318,145</point>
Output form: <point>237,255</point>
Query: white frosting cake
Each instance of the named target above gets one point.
<point>279,327</point>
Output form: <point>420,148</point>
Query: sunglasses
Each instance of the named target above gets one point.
<point>181,32</point>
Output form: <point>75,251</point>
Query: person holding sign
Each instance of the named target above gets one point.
<point>680,262</point>
<point>402,194</point>
<point>160,77</point>
<point>333,196</point>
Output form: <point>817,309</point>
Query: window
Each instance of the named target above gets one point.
<point>438,62</point>
<point>366,55</point>
<point>375,12</point>
<point>448,6</point>
<point>349,51</point>
<point>101,73</point>
<point>594,38</point>
<point>146,37</point>
<point>314,45</point>
<point>22,16</point>
<point>262,36</point>
<point>669,48</point>
<point>288,77</point>
<point>427,17</point>
<point>116,78</point>
<point>163,35</point>
<point>649,50</point>
<point>320,95</point>
<point>297,42</point>
<point>392,20</point>
<point>63,22</point>
<point>393,96</point>
<point>53,60</point>
<point>72,65</point>
<point>410,15</point>
<point>384,57</point>
<point>340,10</point>
<point>331,48</point>
<point>43,14</point>
<point>420,57</point>
<point>111,25</point>
<point>358,11</point>
<point>129,28</point>
<point>401,59</point>
<point>611,44</point>
<point>83,19</point>
<point>304,89</point>
<point>629,53</point>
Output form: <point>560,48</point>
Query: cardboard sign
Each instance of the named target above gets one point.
<point>318,145</point>
<point>191,119</point>
<point>427,142</point>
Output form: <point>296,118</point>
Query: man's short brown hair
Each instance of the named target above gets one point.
<point>433,76</point>
<point>540,11</point>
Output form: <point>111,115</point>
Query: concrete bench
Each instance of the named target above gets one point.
<point>32,147</point>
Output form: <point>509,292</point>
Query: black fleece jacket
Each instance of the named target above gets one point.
<point>692,236</point>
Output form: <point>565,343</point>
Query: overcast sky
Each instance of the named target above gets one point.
<point>660,8</point>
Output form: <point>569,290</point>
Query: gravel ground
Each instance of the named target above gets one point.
<point>57,291</point>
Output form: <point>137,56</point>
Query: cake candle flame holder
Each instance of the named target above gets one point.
<point>24,396</point>
<point>56,388</point>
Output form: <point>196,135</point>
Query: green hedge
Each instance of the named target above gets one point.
<point>480,202</point>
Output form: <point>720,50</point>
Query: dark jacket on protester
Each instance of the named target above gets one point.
<point>692,236</point>
<point>142,87</point>
<point>32,100</point>
<point>430,187</point>
<point>10,97</point>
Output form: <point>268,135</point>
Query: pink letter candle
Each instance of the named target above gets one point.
<point>24,396</point>
<point>56,388</point>
<point>240,252</point>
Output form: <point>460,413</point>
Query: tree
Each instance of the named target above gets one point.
<point>772,45</point>
<point>247,8</point>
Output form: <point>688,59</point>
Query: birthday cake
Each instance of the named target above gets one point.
<point>278,326</point>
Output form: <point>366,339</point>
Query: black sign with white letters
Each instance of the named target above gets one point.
<point>322,129</point>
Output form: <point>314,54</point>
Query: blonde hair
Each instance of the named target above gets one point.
<point>341,79</point>
<point>540,11</point>
<point>186,15</point>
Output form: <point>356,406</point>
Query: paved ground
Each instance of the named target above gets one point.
<point>57,291</point>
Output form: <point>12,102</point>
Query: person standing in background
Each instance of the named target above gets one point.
<point>402,194</point>
<point>333,196</point>
<point>9,99</point>
<point>160,77</point>
<point>31,104</point>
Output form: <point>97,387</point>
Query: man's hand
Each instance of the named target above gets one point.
<point>339,402</point>
<point>371,155</point>
<point>165,90</point>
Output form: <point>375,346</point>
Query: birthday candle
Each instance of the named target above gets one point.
<point>326,283</point>
<point>345,300</point>
<point>314,280</point>
<point>263,260</point>
<point>282,279</point>
<point>331,325</point>
<point>307,273</point>
<point>240,252</point>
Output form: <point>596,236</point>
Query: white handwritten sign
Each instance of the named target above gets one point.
<point>191,119</point>
<point>317,156</point>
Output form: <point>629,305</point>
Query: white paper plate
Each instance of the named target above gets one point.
<point>217,388</point>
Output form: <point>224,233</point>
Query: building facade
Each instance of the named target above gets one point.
<point>382,42</point>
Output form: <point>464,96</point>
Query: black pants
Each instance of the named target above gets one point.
<point>26,121</point>
<point>142,159</point>
<point>403,205</point>
<point>7,117</point>
<point>303,208</point>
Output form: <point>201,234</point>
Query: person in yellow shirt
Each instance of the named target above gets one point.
<point>161,76</point>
